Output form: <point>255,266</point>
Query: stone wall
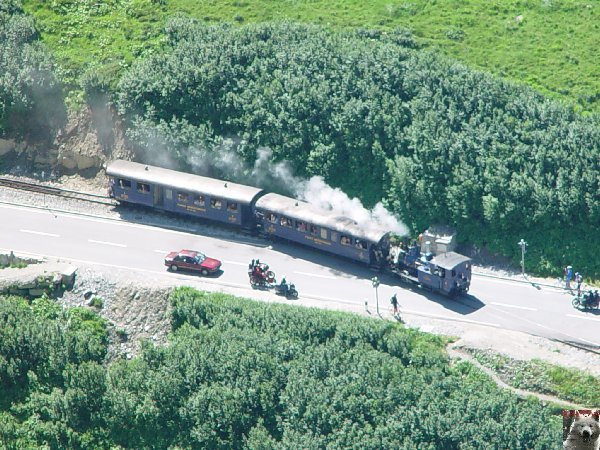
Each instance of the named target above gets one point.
<point>35,279</point>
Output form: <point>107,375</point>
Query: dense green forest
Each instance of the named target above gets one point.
<point>438,141</point>
<point>243,374</point>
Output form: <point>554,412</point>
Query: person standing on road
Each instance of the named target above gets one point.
<point>578,280</point>
<point>394,302</point>
<point>568,276</point>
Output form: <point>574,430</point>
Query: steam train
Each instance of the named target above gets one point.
<point>274,215</point>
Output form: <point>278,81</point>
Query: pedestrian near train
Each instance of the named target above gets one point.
<point>578,280</point>
<point>568,276</point>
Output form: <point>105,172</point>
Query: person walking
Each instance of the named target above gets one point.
<point>394,302</point>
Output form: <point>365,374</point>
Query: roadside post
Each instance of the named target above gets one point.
<point>523,246</point>
<point>375,282</point>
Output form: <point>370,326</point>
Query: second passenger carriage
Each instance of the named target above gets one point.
<point>299,221</point>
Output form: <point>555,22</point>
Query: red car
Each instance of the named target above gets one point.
<point>192,260</point>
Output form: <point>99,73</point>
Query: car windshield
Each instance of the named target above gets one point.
<point>200,257</point>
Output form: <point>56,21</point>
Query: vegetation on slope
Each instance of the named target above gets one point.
<point>540,376</point>
<point>31,103</point>
<point>548,44</point>
<point>441,143</point>
<point>241,374</point>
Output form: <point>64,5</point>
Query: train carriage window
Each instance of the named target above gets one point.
<point>182,197</point>
<point>231,206</point>
<point>199,200</point>
<point>168,194</point>
<point>323,233</point>
<point>143,188</point>
<point>216,203</point>
<point>271,217</point>
<point>314,230</point>
<point>124,184</point>
<point>300,226</point>
<point>334,236</point>
<point>362,245</point>
<point>285,222</point>
<point>345,240</point>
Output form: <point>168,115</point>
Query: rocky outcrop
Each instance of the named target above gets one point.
<point>89,139</point>
<point>35,279</point>
<point>7,146</point>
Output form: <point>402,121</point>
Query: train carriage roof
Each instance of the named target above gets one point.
<point>299,210</point>
<point>182,181</point>
<point>449,260</point>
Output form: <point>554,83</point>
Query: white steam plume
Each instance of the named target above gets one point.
<point>279,176</point>
<point>319,193</point>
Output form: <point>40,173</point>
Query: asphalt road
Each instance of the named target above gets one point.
<point>496,303</point>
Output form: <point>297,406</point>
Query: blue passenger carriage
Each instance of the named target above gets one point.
<point>301,222</point>
<point>184,193</point>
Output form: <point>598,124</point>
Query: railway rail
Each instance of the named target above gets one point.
<point>56,191</point>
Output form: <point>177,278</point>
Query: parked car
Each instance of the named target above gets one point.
<point>192,260</point>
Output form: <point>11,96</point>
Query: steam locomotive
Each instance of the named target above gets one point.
<point>278,216</point>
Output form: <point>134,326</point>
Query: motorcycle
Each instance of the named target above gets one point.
<point>588,300</point>
<point>260,276</point>
<point>288,290</point>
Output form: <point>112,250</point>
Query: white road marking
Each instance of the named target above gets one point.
<point>134,269</point>
<point>164,252</point>
<point>41,233</point>
<point>316,275</point>
<point>585,318</point>
<point>106,243</point>
<point>513,306</point>
<point>439,316</point>
<point>574,338</point>
<point>235,263</point>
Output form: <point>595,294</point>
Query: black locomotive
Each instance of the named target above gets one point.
<point>283,217</point>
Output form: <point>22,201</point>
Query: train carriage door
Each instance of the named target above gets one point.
<point>158,196</point>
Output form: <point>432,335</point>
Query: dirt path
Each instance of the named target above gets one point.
<point>456,353</point>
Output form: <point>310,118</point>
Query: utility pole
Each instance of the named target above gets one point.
<point>375,282</point>
<point>523,246</point>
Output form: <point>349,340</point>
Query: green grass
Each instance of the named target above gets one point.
<point>548,44</point>
<point>540,376</point>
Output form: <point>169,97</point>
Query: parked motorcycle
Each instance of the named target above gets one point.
<point>588,300</point>
<point>288,290</point>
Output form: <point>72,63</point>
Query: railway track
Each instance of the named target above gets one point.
<point>585,348</point>
<point>57,192</point>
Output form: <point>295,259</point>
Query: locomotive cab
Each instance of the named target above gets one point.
<point>448,272</point>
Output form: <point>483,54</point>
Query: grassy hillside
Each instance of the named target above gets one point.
<point>548,44</point>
